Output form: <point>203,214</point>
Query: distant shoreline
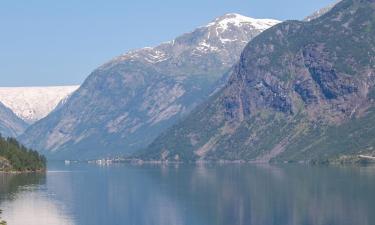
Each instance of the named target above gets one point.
<point>23,172</point>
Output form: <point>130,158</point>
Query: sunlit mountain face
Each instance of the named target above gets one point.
<point>124,104</point>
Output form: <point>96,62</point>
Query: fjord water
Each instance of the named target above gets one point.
<point>85,194</point>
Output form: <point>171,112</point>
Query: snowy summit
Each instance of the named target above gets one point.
<point>219,37</point>
<point>239,20</point>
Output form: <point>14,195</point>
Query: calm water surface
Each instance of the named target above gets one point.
<point>83,194</point>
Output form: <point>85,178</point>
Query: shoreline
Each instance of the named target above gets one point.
<point>23,172</point>
<point>342,160</point>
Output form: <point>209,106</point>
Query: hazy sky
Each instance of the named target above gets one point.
<point>44,42</point>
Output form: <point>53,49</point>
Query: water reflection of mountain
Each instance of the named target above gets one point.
<point>286,195</point>
<point>257,195</point>
<point>11,184</point>
<point>227,194</point>
<point>25,199</point>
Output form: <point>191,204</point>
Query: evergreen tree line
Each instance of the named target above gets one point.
<point>20,157</point>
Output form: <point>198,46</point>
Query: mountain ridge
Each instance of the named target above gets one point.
<point>321,11</point>
<point>125,103</point>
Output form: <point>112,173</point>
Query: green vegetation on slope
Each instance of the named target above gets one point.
<point>326,143</point>
<point>16,157</point>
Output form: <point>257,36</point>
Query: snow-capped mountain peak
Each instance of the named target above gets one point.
<point>237,20</point>
<point>33,103</point>
<point>218,37</point>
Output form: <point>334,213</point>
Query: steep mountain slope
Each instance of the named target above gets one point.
<point>124,104</point>
<point>33,103</point>
<point>10,124</point>
<point>301,91</point>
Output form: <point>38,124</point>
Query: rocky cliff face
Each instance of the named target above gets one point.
<point>10,124</point>
<point>301,91</point>
<point>124,104</point>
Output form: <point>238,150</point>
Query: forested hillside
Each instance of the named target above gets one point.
<point>16,157</point>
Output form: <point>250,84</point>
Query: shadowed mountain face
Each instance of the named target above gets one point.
<point>301,91</point>
<point>10,124</point>
<point>124,104</point>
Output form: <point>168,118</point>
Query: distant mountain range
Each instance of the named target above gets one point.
<point>33,103</point>
<point>127,102</point>
<point>302,91</point>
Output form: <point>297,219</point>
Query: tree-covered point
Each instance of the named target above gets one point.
<point>16,157</point>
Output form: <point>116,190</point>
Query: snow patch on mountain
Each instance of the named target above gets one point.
<point>238,20</point>
<point>34,103</point>
<point>206,47</point>
<point>147,54</point>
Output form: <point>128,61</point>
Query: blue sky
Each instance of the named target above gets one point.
<point>44,42</point>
